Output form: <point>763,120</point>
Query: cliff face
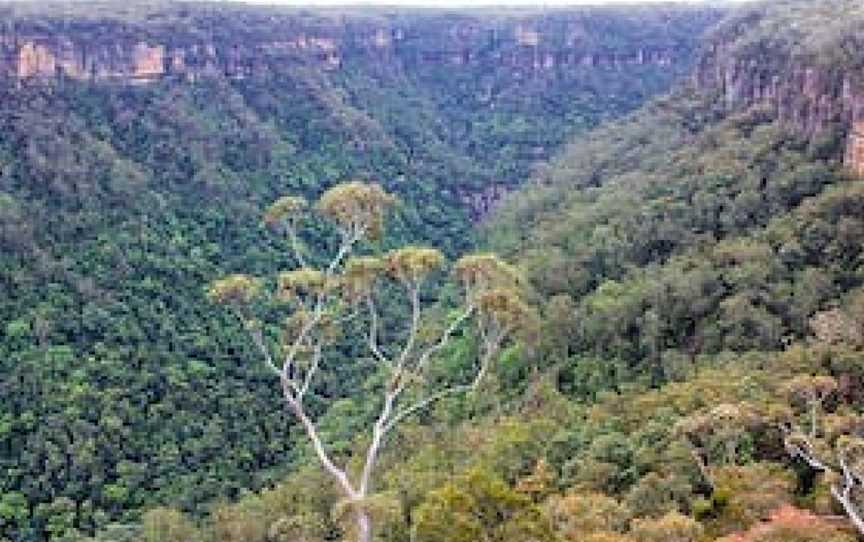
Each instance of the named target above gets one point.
<point>854,158</point>
<point>47,57</point>
<point>810,98</point>
<point>142,54</point>
<point>807,95</point>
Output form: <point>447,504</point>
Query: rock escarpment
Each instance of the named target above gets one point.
<point>148,51</point>
<point>854,157</point>
<point>810,98</point>
<point>49,57</point>
<point>803,91</point>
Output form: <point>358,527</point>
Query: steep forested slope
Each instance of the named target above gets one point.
<point>698,376</point>
<point>137,149</point>
<point>719,217</point>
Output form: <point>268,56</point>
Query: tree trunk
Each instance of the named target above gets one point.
<point>364,526</point>
<point>814,407</point>
<point>731,449</point>
<point>849,507</point>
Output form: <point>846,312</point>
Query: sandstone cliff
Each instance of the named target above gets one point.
<point>804,92</point>
<point>127,52</point>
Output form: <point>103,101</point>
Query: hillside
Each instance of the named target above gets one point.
<point>719,217</point>
<point>138,147</point>
<point>697,374</point>
<point>692,248</point>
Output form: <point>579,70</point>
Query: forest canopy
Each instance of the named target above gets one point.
<point>689,266</point>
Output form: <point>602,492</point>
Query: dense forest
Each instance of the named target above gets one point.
<point>123,386</point>
<point>673,195</point>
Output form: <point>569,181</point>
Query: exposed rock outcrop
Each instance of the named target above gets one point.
<point>29,55</point>
<point>809,98</point>
<point>854,158</point>
<point>503,54</point>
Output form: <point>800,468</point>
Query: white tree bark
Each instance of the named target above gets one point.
<point>410,361</point>
<point>842,491</point>
<point>844,496</point>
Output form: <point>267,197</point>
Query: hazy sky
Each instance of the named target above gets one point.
<point>471,3</point>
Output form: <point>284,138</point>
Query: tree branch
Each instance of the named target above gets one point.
<point>850,478</point>
<point>414,295</point>
<point>310,372</point>
<point>387,420</point>
<point>445,338</point>
<point>349,239</point>
<point>296,245</point>
<point>401,415</point>
<point>258,339</point>
<point>318,311</point>
<point>805,453</point>
<point>312,433</point>
<point>390,397</point>
<point>378,433</point>
<point>302,337</point>
<point>844,496</point>
<point>373,331</point>
<point>485,359</point>
<point>291,391</point>
<point>492,340</point>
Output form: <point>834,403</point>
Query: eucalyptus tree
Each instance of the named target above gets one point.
<point>836,449</point>
<point>319,298</point>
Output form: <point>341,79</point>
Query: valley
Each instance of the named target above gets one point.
<point>672,192</point>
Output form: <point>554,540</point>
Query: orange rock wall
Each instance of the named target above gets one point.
<point>33,56</point>
<point>44,58</point>
<point>35,60</point>
<point>854,158</point>
<point>149,62</point>
<point>807,99</point>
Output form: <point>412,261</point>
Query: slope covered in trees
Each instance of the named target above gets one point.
<point>699,459</point>
<point>701,223</point>
<point>698,374</point>
<point>124,190</point>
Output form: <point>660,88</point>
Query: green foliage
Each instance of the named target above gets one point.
<point>287,210</point>
<point>743,496</point>
<point>654,495</point>
<point>676,255</point>
<point>122,388</point>
<point>822,34</point>
<point>793,525</point>
<point>234,290</point>
<point>479,506</point>
<point>673,527</point>
<point>577,515</point>
<point>166,525</point>
<point>683,230</point>
<point>439,482</point>
<point>411,264</point>
<point>356,206</point>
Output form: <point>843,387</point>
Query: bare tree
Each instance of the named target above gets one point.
<point>836,452</point>
<point>844,467</point>
<point>320,297</point>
